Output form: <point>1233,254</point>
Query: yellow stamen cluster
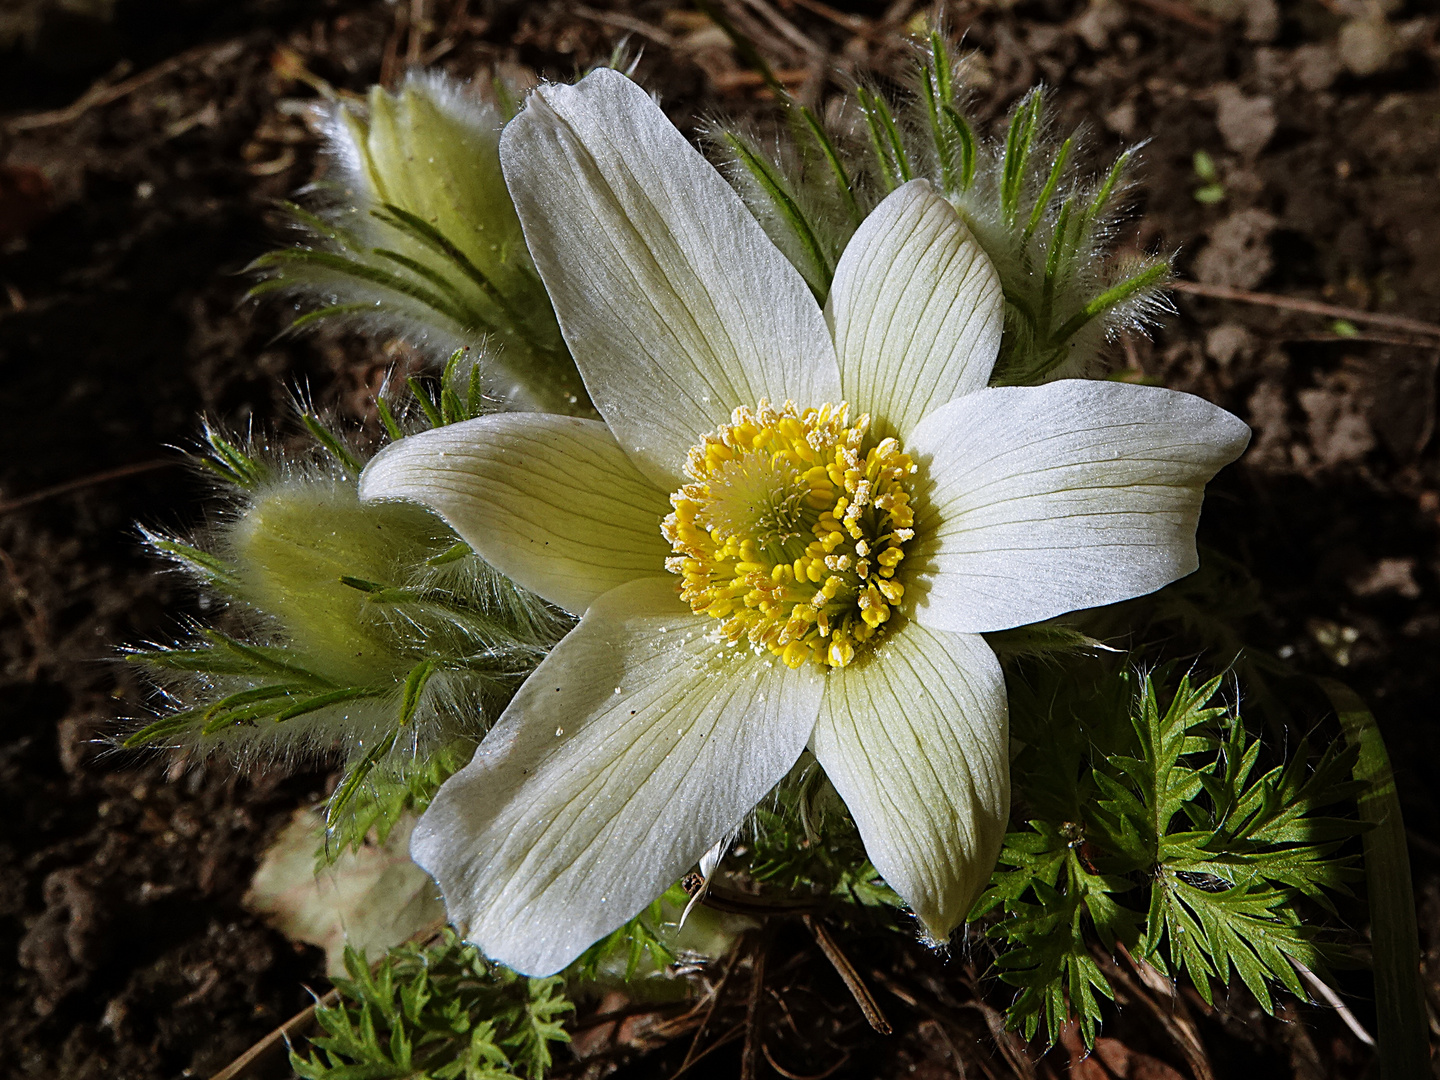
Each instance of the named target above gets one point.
<point>791,529</point>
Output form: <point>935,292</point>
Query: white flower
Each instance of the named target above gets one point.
<point>651,731</point>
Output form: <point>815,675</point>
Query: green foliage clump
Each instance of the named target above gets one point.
<point>803,842</point>
<point>364,630</point>
<point>441,1012</point>
<point>636,942</point>
<point>1044,220</point>
<point>1151,828</point>
<point>379,798</point>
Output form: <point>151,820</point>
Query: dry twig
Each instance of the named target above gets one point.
<point>627,22</point>
<point>1009,1043</point>
<point>101,94</point>
<point>752,1011</point>
<point>1331,998</point>
<point>263,1057</point>
<point>736,1032</point>
<point>390,65</point>
<point>1364,339</point>
<point>854,23</point>
<point>415,42</point>
<point>1309,307</point>
<point>1175,1020</point>
<point>614,1016</point>
<point>846,970</point>
<point>713,1000</point>
<point>831,1071</point>
<point>1181,12</point>
<point>788,30</point>
<point>738,904</point>
<point>86,481</point>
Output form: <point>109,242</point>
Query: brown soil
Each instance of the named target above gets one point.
<point>124,224</point>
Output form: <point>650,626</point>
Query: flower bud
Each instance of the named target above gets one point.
<point>364,629</point>
<point>296,547</point>
<point>417,235</point>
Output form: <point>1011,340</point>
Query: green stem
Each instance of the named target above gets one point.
<point>336,449</point>
<point>1018,140</point>
<point>884,139</point>
<point>1052,268</point>
<point>1116,294</point>
<point>966,138</point>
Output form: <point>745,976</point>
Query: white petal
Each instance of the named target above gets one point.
<point>675,304</point>
<point>634,747</point>
<point>915,737</point>
<point>917,311</point>
<point>552,501</point>
<point>1035,501</point>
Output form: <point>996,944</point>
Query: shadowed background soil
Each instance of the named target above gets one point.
<point>141,148</point>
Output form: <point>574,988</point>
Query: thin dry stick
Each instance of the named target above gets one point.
<point>100,94</point>
<point>86,481</point>
<point>949,1044</point>
<point>264,1052</point>
<point>415,43</point>
<point>854,23</point>
<point>390,63</point>
<point>752,1012</point>
<point>1365,339</point>
<point>1321,987</point>
<point>1181,12</point>
<point>616,1015</point>
<point>730,1036</point>
<point>788,30</point>
<point>449,34</point>
<point>1006,1041</point>
<point>690,1055</point>
<point>831,1071</point>
<point>737,904</point>
<point>1309,307</point>
<point>934,1015</point>
<point>851,977</point>
<point>627,22</point>
<point>436,51</point>
<point>1178,1026</point>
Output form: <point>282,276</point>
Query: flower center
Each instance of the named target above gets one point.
<point>791,529</point>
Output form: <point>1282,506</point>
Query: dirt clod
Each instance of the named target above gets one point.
<point>1246,123</point>
<point>1238,254</point>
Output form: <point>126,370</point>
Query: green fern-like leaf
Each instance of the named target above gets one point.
<point>1050,959</point>
<point>441,1012</point>
<point>635,942</point>
<point>1154,832</point>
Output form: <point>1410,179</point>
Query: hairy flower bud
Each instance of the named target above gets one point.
<point>370,631</point>
<point>417,234</point>
<point>301,549</point>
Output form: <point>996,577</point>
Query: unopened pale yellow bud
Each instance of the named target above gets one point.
<point>293,546</point>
